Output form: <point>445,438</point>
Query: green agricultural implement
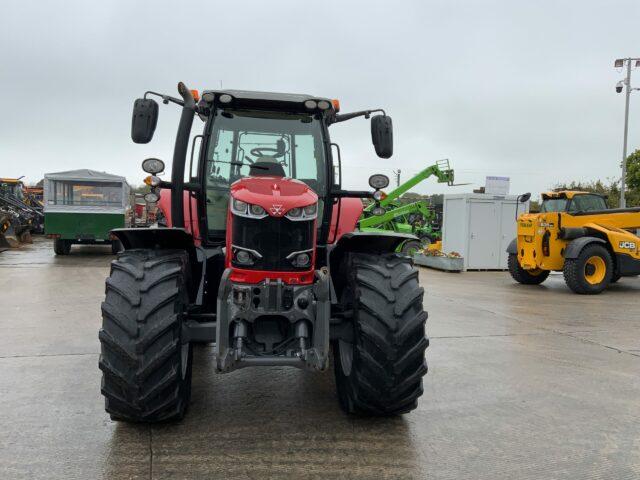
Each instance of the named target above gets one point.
<point>417,218</point>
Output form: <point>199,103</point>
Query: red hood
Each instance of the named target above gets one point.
<point>277,195</point>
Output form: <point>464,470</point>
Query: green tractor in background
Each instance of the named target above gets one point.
<point>418,218</point>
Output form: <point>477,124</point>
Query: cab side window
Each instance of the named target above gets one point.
<point>587,203</point>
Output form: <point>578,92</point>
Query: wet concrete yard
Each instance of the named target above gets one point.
<point>524,382</point>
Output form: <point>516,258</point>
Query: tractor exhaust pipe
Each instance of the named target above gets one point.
<point>180,156</point>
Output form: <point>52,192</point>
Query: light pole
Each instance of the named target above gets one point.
<point>397,174</point>
<point>619,63</point>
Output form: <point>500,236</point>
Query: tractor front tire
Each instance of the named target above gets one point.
<point>61,247</point>
<point>590,272</point>
<point>146,364</point>
<point>380,372</point>
<point>116,247</point>
<point>526,277</point>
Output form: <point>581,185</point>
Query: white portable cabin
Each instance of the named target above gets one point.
<point>59,189</point>
<point>480,227</point>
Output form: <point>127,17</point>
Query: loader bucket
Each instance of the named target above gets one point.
<point>9,237</point>
<point>4,244</point>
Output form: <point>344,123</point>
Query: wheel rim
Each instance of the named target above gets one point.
<point>535,272</point>
<point>595,270</point>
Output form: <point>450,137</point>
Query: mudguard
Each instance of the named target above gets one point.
<point>168,239</point>
<point>164,238</point>
<point>369,242</point>
<point>360,242</point>
<point>575,246</point>
<point>513,247</point>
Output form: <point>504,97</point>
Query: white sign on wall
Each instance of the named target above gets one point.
<point>497,186</point>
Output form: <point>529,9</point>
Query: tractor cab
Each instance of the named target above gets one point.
<point>276,144</point>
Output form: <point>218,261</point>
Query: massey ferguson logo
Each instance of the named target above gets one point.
<point>276,210</point>
<point>628,245</point>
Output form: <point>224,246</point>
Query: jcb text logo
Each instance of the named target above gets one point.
<point>628,245</point>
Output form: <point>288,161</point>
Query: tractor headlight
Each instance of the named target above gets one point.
<point>308,212</point>
<point>239,207</point>
<point>311,104</point>
<point>153,166</point>
<point>248,210</point>
<point>377,211</point>
<point>295,212</point>
<point>378,181</point>
<point>378,195</point>
<point>256,210</point>
<point>244,257</point>
<point>300,259</point>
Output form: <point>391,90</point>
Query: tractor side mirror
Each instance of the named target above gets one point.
<point>382,135</point>
<point>144,120</point>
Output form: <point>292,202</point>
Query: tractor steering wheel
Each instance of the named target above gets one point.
<point>266,152</point>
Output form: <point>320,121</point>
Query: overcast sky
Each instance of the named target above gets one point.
<point>517,88</point>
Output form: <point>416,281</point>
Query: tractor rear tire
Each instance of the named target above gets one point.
<point>380,372</point>
<point>146,364</point>
<point>526,277</point>
<point>590,272</point>
<point>61,247</point>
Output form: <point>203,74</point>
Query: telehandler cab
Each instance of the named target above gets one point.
<point>268,264</point>
<point>577,234</point>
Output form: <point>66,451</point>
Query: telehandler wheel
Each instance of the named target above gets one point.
<point>61,247</point>
<point>411,247</point>
<point>526,277</point>
<point>591,271</point>
<point>381,372</point>
<point>146,364</point>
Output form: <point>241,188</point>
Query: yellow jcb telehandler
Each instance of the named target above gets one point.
<point>577,234</point>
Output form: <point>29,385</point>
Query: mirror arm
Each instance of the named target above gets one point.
<point>338,193</point>
<point>165,98</point>
<point>363,113</point>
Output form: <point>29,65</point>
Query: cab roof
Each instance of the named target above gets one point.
<point>565,194</point>
<point>266,100</point>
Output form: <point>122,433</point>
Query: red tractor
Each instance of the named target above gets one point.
<point>268,264</point>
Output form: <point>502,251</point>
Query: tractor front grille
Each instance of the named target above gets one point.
<point>273,239</point>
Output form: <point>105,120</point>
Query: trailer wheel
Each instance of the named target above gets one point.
<point>381,372</point>
<point>61,247</point>
<point>146,364</point>
<point>526,277</point>
<point>591,271</point>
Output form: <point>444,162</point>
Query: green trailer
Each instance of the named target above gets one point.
<point>83,206</point>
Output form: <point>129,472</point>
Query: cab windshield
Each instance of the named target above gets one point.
<point>587,203</point>
<point>289,144</point>
<point>554,205</point>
